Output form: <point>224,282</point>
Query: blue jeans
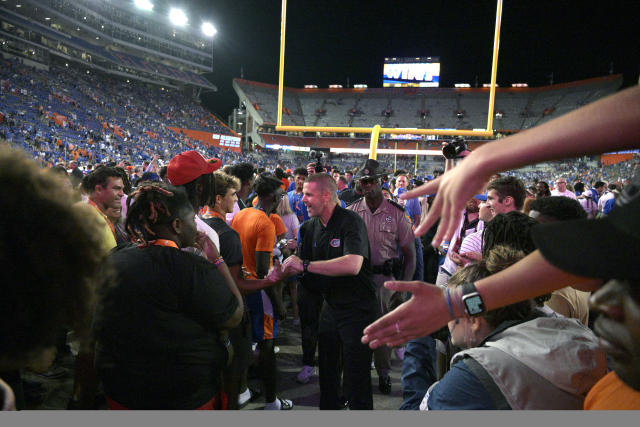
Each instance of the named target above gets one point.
<point>418,371</point>
<point>419,273</point>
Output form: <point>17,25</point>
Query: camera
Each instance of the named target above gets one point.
<point>454,147</point>
<point>318,156</point>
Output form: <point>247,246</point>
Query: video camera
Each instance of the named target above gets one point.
<point>318,155</point>
<point>454,148</point>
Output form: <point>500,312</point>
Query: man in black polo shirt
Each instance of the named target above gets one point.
<point>333,257</point>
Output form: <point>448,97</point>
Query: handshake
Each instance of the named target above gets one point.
<point>291,266</point>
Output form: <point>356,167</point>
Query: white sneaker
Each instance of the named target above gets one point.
<point>305,374</point>
<point>279,405</point>
<point>244,398</point>
<point>276,349</point>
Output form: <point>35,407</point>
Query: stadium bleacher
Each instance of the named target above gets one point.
<point>65,113</point>
<point>519,108</point>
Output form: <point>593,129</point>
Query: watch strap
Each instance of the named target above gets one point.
<point>468,288</point>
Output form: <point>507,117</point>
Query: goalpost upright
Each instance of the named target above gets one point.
<point>376,130</point>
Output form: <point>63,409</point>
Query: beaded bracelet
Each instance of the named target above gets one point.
<point>218,261</point>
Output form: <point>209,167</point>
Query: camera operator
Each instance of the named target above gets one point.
<point>388,228</point>
<point>333,258</point>
<point>317,166</point>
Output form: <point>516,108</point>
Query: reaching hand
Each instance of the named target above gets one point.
<point>311,168</point>
<point>462,259</point>
<point>454,188</point>
<point>470,257</point>
<point>293,265</point>
<point>208,248</point>
<point>276,273</point>
<point>424,313</point>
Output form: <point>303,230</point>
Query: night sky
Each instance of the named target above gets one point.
<point>332,40</point>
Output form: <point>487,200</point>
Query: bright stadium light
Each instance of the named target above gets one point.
<point>208,29</point>
<point>177,17</point>
<point>143,4</point>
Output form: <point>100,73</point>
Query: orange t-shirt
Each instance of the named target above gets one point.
<point>257,234</point>
<point>610,393</point>
<point>279,224</point>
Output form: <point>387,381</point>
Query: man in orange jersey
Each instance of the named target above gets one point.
<point>258,236</point>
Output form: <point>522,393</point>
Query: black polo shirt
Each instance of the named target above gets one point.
<point>345,234</point>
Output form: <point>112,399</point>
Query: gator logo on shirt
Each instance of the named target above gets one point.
<point>335,243</point>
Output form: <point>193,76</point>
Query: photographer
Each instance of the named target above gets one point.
<point>333,258</point>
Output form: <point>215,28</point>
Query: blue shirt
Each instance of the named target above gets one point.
<point>412,208</point>
<point>608,206</point>
<point>459,389</point>
<point>296,205</point>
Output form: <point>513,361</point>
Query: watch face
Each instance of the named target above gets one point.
<point>474,304</point>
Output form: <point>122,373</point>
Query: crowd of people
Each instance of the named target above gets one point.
<point>64,114</point>
<point>167,277</point>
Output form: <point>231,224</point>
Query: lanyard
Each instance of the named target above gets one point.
<point>109,223</point>
<point>164,242</point>
<point>206,212</point>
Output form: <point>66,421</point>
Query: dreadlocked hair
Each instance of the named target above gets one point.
<point>206,197</point>
<point>153,204</point>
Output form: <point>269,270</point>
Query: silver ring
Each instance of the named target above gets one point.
<point>397,327</point>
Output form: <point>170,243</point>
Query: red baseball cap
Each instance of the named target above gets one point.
<point>187,166</point>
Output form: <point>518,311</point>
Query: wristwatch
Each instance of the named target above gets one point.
<point>473,304</point>
<point>305,265</point>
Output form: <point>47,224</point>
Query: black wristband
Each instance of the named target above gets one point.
<point>305,266</point>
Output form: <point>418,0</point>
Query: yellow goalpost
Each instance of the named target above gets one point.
<point>376,130</point>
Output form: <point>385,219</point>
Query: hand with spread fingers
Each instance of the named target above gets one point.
<point>407,321</point>
<point>454,188</point>
<point>587,130</point>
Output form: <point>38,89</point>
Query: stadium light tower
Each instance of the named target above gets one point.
<point>143,4</point>
<point>210,31</point>
<point>177,17</point>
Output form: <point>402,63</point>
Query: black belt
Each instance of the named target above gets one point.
<point>385,268</point>
<point>377,269</point>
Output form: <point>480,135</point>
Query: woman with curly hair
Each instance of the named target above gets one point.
<point>50,259</point>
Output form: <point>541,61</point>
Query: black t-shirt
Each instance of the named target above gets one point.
<point>230,246</point>
<point>157,329</point>
<point>345,234</point>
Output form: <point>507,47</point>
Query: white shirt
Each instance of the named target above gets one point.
<point>603,199</point>
<point>565,193</point>
<point>210,232</point>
